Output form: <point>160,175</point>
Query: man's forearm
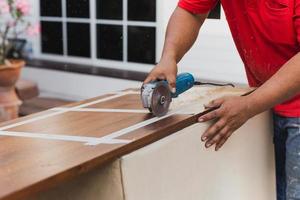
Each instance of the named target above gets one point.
<point>280,87</point>
<point>182,32</point>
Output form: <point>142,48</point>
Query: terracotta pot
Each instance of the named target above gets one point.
<point>9,101</point>
<point>9,74</point>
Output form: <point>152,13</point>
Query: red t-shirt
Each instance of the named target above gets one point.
<point>266,34</point>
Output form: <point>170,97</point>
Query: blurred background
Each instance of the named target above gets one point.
<point>86,48</point>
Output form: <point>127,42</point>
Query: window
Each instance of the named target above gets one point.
<point>51,8</point>
<point>52,37</point>
<point>140,47</point>
<point>78,42</point>
<point>78,8</point>
<point>108,9</point>
<point>142,10</point>
<point>109,30</point>
<point>107,35</point>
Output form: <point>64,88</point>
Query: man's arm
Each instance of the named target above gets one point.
<point>235,111</point>
<point>282,86</point>
<point>182,32</point>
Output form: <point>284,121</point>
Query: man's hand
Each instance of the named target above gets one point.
<point>232,113</point>
<point>165,70</point>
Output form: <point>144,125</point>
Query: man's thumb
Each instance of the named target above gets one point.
<point>172,83</point>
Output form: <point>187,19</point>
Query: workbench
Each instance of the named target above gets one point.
<point>111,148</point>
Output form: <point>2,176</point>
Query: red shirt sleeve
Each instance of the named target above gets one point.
<point>197,6</point>
<point>297,19</point>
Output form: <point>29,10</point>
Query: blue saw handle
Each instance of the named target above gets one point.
<point>184,82</point>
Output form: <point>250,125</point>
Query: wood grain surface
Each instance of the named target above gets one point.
<point>30,165</point>
<point>93,124</point>
<point>130,101</point>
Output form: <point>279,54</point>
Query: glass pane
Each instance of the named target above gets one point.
<point>52,37</point>
<point>50,8</point>
<point>79,41</point>
<point>216,12</point>
<point>142,10</point>
<point>141,44</point>
<point>110,42</point>
<point>110,9</point>
<point>78,8</point>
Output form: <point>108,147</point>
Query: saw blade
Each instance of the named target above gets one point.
<point>161,99</point>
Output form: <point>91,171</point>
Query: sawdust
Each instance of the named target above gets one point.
<point>227,90</point>
<point>194,99</point>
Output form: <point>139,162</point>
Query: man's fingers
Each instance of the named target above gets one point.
<point>215,103</point>
<point>217,137</point>
<point>210,116</point>
<point>149,79</point>
<point>154,77</point>
<point>213,130</point>
<point>160,76</point>
<point>223,141</point>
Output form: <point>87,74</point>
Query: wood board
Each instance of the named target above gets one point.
<point>47,148</point>
<point>29,165</point>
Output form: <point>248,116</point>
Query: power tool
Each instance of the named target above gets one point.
<point>156,95</point>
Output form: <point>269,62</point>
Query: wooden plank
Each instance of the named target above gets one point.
<point>130,101</point>
<point>28,166</point>
<point>88,100</point>
<point>83,123</point>
<point>31,165</point>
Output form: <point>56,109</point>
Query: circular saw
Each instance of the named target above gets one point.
<point>157,97</point>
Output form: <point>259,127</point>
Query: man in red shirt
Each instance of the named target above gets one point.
<point>267,36</point>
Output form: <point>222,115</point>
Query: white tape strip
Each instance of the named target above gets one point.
<point>69,138</point>
<point>64,111</point>
<point>116,95</point>
<point>102,110</point>
<point>135,127</point>
<point>109,139</point>
<point>92,141</point>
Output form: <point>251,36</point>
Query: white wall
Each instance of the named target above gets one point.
<point>74,86</point>
<point>213,57</point>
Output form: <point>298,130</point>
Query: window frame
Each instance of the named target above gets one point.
<point>212,27</point>
<point>93,21</point>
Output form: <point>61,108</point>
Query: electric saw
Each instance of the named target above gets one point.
<point>156,95</point>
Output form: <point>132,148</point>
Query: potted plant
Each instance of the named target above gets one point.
<point>12,25</point>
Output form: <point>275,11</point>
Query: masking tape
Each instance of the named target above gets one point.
<point>69,138</point>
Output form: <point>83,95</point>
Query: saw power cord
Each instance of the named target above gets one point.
<point>213,84</point>
<point>219,84</point>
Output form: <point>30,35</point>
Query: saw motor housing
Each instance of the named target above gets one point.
<point>157,97</point>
